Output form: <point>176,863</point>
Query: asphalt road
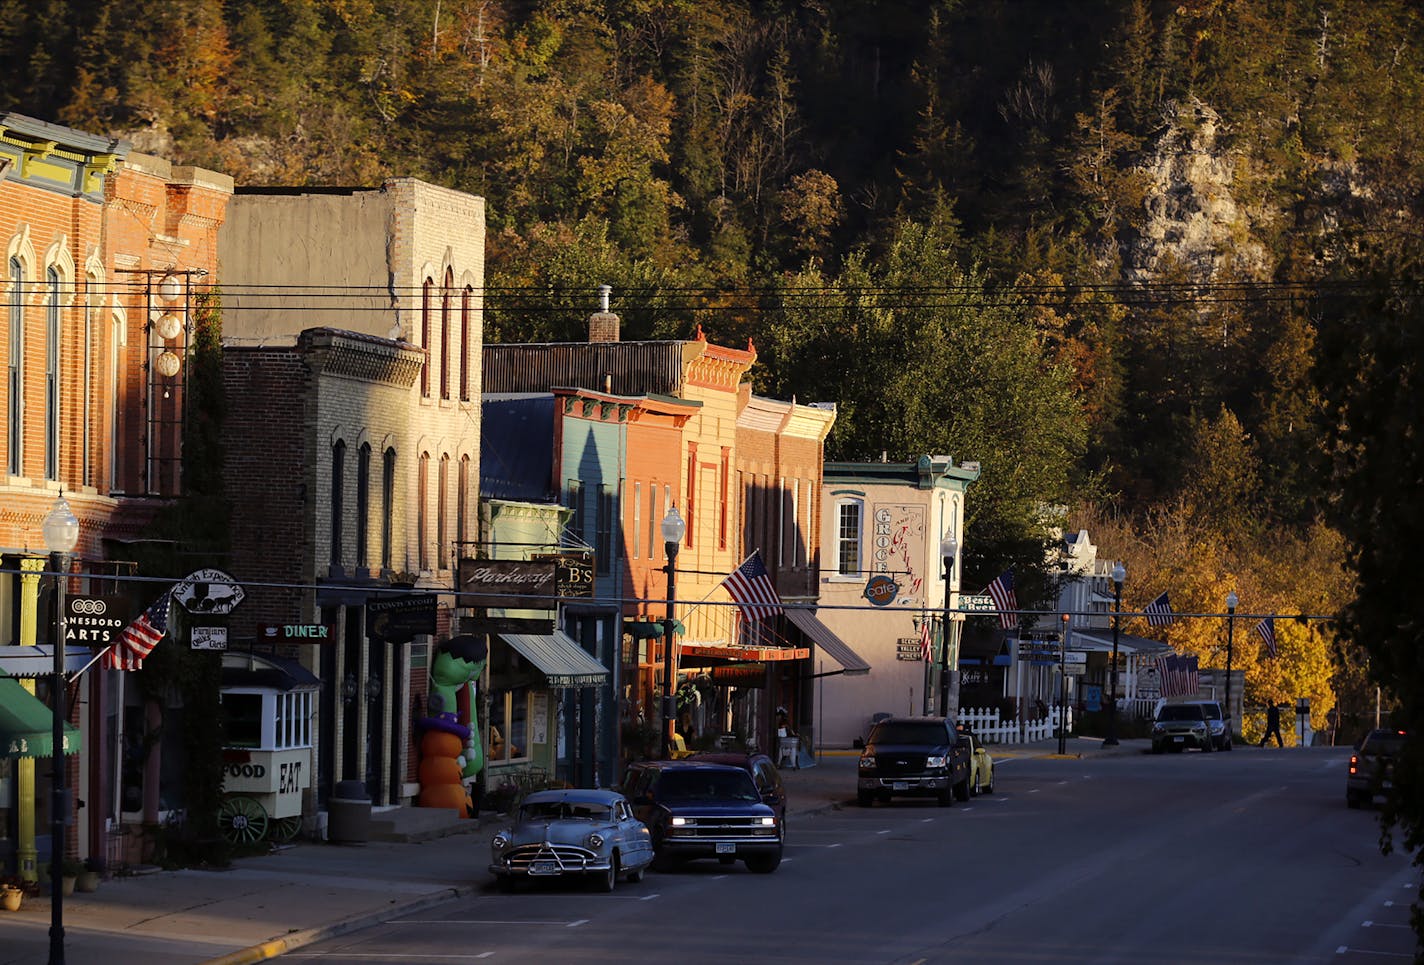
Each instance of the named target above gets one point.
<point>1247,857</point>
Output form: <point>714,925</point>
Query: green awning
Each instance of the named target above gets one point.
<point>559,658</point>
<point>26,724</point>
<point>651,629</point>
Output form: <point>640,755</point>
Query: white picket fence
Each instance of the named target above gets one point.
<point>985,722</point>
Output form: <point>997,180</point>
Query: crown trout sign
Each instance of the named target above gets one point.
<point>881,590</point>
<point>208,591</point>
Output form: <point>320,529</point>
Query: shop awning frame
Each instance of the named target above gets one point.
<point>27,725</point>
<point>830,644</point>
<point>559,658</point>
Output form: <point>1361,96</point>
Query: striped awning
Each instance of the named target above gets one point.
<point>830,644</point>
<point>559,658</point>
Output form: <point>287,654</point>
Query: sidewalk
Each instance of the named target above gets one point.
<point>264,906</point>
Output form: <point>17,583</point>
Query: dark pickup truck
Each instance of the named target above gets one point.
<point>696,809</point>
<point>913,757</point>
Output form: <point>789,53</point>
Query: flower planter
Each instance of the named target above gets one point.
<point>11,899</point>
<point>67,885</point>
<point>87,881</point>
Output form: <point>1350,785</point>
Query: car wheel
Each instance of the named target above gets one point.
<point>1209,746</point>
<point>989,788</point>
<point>609,879</point>
<point>961,790</point>
<point>764,864</point>
<point>781,832</point>
<point>945,798</point>
<point>636,876</point>
<point>864,798</point>
<point>974,785</point>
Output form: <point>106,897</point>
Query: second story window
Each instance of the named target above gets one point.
<point>849,533</point>
<point>442,483</point>
<point>422,513</point>
<point>573,499</point>
<point>338,492</point>
<point>446,294</point>
<point>425,336</point>
<point>15,386</point>
<point>363,504</point>
<point>466,297</point>
<point>388,504</point>
<point>462,504</point>
<point>52,334</point>
<point>603,531</point>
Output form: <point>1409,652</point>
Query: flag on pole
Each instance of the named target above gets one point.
<point>1266,630</point>
<point>751,589</point>
<point>138,639</point>
<point>1159,612</point>
<point>1002,590</point>
<point>1179,675</point>
<point>926,645</point>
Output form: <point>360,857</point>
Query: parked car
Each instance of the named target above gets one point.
<point>913,757</point>
<point>572,832</point>
<point>981,765</point>
<point>1372,765</point>
<point>696,809</point>
<point>1179,726</point>
<point>764,774</point>
<point>1216,723</point>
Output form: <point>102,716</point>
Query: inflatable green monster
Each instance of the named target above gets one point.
<point>451,751</point>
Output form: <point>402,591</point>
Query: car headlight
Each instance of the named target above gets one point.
<point>679,822</point>
<point>595,840</point>
<point>768,822</point>
<point>935,761</point>
<point>867,762</point>
<point>1158,729</point>
<point>500,842</point>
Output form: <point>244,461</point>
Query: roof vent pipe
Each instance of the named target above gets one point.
<point>603,292</point>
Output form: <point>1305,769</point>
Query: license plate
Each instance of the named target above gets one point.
<point>544,868</point>
<point>1179,738</point>
<point>726,847</point>
<point>900,785</point>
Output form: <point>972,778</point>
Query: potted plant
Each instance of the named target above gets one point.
<point>12,892</point>
<point>70,870</point>
<point>88,879</point>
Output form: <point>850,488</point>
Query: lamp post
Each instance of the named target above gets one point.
<point>948,550</point>
<point>1063,688</point>
<point>673,528</point>
<point>61,533</point>
<point>1119,574</point>
<point>1231,601</point>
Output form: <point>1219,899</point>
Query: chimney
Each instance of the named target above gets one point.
<point>603,324</point>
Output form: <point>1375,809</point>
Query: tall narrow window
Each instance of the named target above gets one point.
<point>573,499</point>
<point>442,500</point>
<point>723,498</point>
<point>462,504</point>
<point>466,297</point>
<point>363,504</point>
<point>603,531</point>
<point>15,386</point>
<point>388,504</point>
<point>52,375</point>
<point>780,520</point>
<point>86,416</point>
<point>653,517</point>
<point>446,293</point>
<point>338,493</point>
<point>795,522</point>
<point>422,513</point>
<point>637,528</point>
<point>689,509</point>
<point>848,537</point>
<point>425,336</point>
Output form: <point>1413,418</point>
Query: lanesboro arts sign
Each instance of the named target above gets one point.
<point>524,584</point>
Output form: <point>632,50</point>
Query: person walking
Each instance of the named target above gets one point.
<point>1273,726</point>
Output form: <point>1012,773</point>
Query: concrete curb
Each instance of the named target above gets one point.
<point>272,948</point>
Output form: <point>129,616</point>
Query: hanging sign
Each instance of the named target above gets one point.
<point>511,584</point>
<point>399,618</point>
<point>207,638</point>
<point>881,590</point>
<point>208,591</point>
<point>95,621</point>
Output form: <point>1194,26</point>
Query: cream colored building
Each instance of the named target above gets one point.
<point>881,528</point>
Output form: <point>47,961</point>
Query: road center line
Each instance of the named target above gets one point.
<point>575,924</point>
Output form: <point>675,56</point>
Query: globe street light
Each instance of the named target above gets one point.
<point>948,550</point>
<point>673,528</point>
<point>1119,574</point>
<point>61,533</point>
<point>1231,601</point>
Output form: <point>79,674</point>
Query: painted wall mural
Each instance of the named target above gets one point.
<point>897,545</point>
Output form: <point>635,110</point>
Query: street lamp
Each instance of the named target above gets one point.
<point>1231,601</point>
<point>948,550</point>
<point>1063,688</point>
<point>61,533</point>
<point>1119,574</point>
<point>673,528</point>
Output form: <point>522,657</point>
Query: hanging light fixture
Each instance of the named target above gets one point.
<point>169,326</point>
<point>167,364</point>
<point>170,289</point>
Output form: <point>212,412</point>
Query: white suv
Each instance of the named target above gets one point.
<point>1216,722</point>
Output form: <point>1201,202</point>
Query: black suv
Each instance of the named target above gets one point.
<point>1372,766</point>
<point>764,774</point>
<point>913,757</point>
<point>696,809</point>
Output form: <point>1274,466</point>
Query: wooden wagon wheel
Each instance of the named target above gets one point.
<point>242,820</point>
<point>283,830</point>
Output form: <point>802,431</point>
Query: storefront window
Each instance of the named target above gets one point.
<point>243,716</point>
<point>509,725</point>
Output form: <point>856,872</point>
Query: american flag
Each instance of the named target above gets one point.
<point>138,639</point>
<point>1179,675</point>
<point>926,645</point>
<point>750,586</point>
<point>1002,590</point>
<point>1159,612</point>
<point>1266,630</point>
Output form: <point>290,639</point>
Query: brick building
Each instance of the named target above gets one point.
<point>352,335</point>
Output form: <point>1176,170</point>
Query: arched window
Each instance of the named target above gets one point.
<point>425,337</point>
<point>363,504</point>
<point>338,492</point>
<point>462,505</point>
<point>445,295</point>
<point>52,331</point>
<point>388,504</point>
<point>422,513</point>
<point>15,386</point>
<point>465,298</point>
<point>441,501</point>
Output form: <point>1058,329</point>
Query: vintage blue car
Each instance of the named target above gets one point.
<point>572,832</point>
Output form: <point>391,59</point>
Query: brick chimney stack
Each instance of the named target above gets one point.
<point>603,324</point>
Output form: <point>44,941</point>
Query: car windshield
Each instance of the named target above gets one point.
<point>708,785</point>
<point>566,811</point>
<point>1180,712</point>
<point>907,732</point>
<point>1384,742</point>
<point>1212,711</point>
